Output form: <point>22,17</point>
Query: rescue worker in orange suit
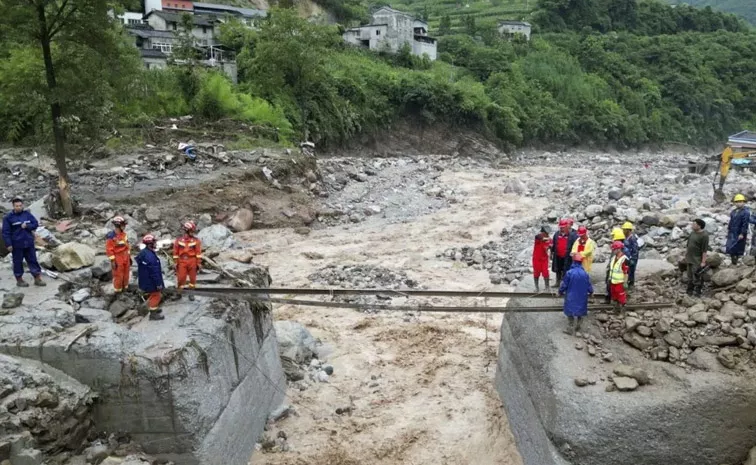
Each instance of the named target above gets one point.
<point>618,270</point>
<point>151,276</point>
<point>541,249</point>
<point>118,251</point>
<point>187,253</point>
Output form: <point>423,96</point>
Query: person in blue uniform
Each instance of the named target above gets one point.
<point>576,287</point>
<point>18,234</point>
<point>150,276</point>
<point>737,229</point>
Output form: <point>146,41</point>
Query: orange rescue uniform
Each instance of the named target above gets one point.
<point>187,252</point>
<point>153,300</point>
<point>118,251</point>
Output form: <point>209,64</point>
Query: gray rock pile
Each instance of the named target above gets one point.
<point>363,277</point>
<point>406,188</point>
<point>302,357</point>
<point>44,412</point>
<point>504,264</point>
<point>698,333</point>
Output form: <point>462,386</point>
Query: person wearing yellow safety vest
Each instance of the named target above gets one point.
<point>737,229</point>
<point>632,250</point>
<point>585,246</point>
<point>618,268</point>
<point>617,235</point>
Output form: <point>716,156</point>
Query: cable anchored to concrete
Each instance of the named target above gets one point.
<point>427,308</point>
<point>390,292</point>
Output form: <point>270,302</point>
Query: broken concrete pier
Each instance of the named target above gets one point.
<point>195,388</point>
<point>686,417</point>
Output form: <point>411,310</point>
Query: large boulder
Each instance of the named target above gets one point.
<point>216,237</point>
<point>592,211</point>
<point>72,256</point>
<point>152,214</point>
<point>101,269</point>
<point>726,277</point>
<point>294,341</point>
<point>12,299</point>
<point>241,220</point>
<point>253,275</point>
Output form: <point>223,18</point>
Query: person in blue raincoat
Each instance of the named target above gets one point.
<point>150,276</point>
<point>18,234</point>
<point>737,229</point>
<point>576,287</point>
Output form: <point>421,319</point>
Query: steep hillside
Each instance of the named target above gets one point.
<point>744,8</point>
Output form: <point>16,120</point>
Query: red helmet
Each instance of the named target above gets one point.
<point>582,230</point>
<point>118,220</point>
<point>148,239</point>
<point>570,221</point>
<point>617,245</point>
<point>189,226</point>
<point>563,223</point>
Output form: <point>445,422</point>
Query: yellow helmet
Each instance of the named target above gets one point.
<point>739,198</point>
<point>618,235</point>
<point>627,225</point>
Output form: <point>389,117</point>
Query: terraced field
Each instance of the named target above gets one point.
<point>484,11</point>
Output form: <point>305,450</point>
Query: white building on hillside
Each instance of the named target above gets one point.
<point>512,28</point>
<point>390,29</point>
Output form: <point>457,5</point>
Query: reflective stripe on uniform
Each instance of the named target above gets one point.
<point>617,275</point>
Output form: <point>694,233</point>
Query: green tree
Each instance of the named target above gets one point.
<point>469,22</point>
<point>444,27</point>
<point>289,63</point>
<point>67,33</point>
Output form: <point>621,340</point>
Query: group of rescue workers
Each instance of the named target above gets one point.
<point>18,235</point>
<point>187,255</point>
<point>571,255</point>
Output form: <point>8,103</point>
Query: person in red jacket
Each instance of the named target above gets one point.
<point>118,251</point>
<point>187,253</point>
<point>541,250</point>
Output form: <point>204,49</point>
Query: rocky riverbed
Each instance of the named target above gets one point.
<point>359,383</point>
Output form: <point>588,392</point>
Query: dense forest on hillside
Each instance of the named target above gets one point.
<point>744,8</point>
<point>614,72</point>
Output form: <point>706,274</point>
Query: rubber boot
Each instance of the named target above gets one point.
<point>734,259</point>
<point>546,283</point>
<point>191,297</point>
<point>690,289</point>
<point>155,315</point>
<point>570,329</point>
<point>21,283</point>
<point>578,323</point>
<point>535,281</point>
<point>38,281</point>
<point>697,291</point>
